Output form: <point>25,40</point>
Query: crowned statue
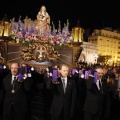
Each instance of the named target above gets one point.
<point>43,20</point>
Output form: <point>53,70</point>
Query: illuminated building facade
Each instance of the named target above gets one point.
<point>78,32</point>
<point>108,42</point>
<point>89,53</point>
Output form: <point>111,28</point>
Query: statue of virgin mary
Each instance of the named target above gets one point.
<point>43,20</point>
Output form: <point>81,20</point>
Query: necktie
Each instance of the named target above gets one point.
<point>13,85</point>
<point>100,86</point>
<point>63,85</point>
<point>14,80</point>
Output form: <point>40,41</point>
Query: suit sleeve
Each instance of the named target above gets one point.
<point>28,83</point>
<point>48,82</point>
<point>89,83</point>
<point>106,103</point>
<point>76,75</point>
<point>73,99</point>
<point>2,93</point>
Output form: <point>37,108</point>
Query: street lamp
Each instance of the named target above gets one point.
<point>96,57</point>
<point>4,33</point>
<point>5,27</point>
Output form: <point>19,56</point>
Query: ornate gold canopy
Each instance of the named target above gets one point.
<point>40,52</point>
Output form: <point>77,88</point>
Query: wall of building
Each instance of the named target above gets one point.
<point>108,42</point>
<point>89,53</point>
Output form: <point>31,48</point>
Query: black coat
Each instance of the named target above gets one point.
<point>64,100</point>
<point>95,101</point>
<point>18,99</point>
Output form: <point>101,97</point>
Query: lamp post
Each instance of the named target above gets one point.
<point>78,25</point>
<point>4,35</point>
<point>5,26</point>
<point>96,57</point>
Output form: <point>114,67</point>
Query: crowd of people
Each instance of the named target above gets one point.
<point>85,92</point>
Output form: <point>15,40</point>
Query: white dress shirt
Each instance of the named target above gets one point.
<point>13,79</point>
<point>97,83</point>
<point>65,79</point>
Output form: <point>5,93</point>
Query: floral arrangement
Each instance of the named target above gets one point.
<point>28,34</point>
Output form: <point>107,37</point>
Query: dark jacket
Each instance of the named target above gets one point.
<point>95,101</point>
<point>18,99</point>
<point>64,100</point>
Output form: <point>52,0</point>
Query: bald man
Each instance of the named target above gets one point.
<point>13,94</point>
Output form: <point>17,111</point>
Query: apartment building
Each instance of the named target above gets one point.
<point>108,42</point>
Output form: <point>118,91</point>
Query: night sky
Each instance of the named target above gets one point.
<point>91,14</point>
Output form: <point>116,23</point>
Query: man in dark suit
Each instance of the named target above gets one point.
<point>64,96</point>
<point>3,72</point>
<point>48,94</point>
<point>1,78</point>
<point>13,95</point>
<point>97,102</point>
<point>81,93</point>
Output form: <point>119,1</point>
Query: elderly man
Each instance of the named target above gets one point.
<point>64,95</point>
<point>97,102</point>
<point>13,95</point>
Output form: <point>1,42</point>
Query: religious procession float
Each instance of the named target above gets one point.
<point>37,43</point>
